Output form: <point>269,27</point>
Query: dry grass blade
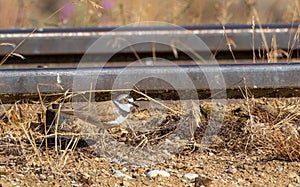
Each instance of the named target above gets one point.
<point>151,99</point>
<point>8,44</point>
<point>230,43</point>
<point>95,4</point>
<point>295,41</point>
<point>71,146</point>
<point>199,59</point>
<point>18,55</point>
<point>154,52</point>
<point>13,52</point>
<point>32,142</point>
<point>44,120</point>
<point>175,53</point>
<point>115,43</point>
<point>253,40</point>
<point>263,36</point>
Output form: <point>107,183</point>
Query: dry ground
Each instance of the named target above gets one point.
<point>257,145</point>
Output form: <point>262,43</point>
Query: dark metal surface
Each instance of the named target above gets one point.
<point>258,77</point>
<point>76,41</point>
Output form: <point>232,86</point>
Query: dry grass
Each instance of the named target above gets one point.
<point>89,12</point>
<point>267,127</point>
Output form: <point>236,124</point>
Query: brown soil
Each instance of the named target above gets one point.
<point>257,145</point>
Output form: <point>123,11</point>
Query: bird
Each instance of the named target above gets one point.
<point>107,115</point>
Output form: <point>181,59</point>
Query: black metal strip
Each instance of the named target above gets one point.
<point>258,77</point>
<point>77,41</point>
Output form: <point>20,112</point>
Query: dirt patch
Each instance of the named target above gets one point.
<point>257,144</point>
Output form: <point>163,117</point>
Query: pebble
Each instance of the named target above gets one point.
<point>261,174</point>
<point>125,183</point>
<point>183,180</point>
<point>180,166</point>
<point>280,169</point>
<point>155,173</point>
<point>231,170</point>
<point>43,176</point>
<point>119,174</point>
<point>240,180</point>
<point>202,181</point>
<point>191,176</point>
<point>51,176</point>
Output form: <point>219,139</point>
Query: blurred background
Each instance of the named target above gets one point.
<point>89,13</point>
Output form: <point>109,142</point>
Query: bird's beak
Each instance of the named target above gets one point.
<point>135,105</point>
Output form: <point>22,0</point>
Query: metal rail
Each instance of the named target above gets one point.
<point>70,44</point>
<point>267,80</point>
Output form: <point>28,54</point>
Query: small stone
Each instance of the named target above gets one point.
<point>239,180</point>
<point>280,169</point>
<point>191,176</point>
<point>119,174</point>
<point>231,170</point>
<point>146,182</point>
<point>183,180</point>
<point>180,166</point>
<point>105,172</point>
<point>211,154</point>
<point>261,174</point>
<point>20,175</point>
<point>43,177</point>
<point>155,173</point>
<point>202,181</point>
